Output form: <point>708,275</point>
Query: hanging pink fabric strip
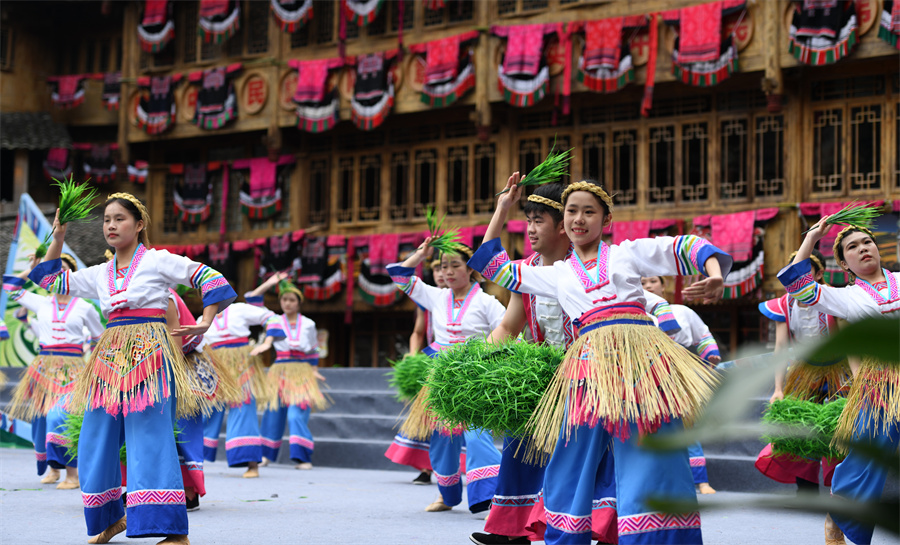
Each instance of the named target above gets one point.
<point>351,258</point>
<point>647,102</point>
<point>700,33</point>
<point>630,230</point>
<point>733,233</point>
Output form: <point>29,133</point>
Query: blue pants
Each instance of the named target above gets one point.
<point>39,438</point>
<point>482,467</point>
<point>190,452</point>
<point>56,444</point>
<point>861,479</point>
<point>242,437</point>
<point>155,489</point>
<point>580,488</point>
<point>698,463</point>
<point>212,427</point>
<point>518,487</point>
<point>301,439</point>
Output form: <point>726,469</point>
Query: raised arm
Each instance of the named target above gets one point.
<point>269,283</point>
<point>504,203</point>
<point>492,261</point>
<point>417,338</point>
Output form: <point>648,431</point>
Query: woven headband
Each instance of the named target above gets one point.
<point>70,260</point>
<point>591,188</point>
<point>814,259</point>
<point>544,200</point>
<point>145,216</point>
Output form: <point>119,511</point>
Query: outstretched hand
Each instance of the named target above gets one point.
<point>513,192</point>
<point>819,230</point>
<point>197,329</point>
<point>258,349</point>
<point>59,230</point>
<point>709,289</point>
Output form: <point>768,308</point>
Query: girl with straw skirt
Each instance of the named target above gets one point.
<point>872,412</point>
<point>293,379</point>
<point>797,322</point>
<point>403,450</point>
<point>130,385</point>
<point>229,340</point>
<point>622,376</point>
<point>460,311</point>
<point>61,323</point>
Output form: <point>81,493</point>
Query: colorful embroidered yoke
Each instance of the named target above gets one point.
<point>57,164</point>
<point>261,194</point>
<point>606,64</point>
<point>67,91</point>
<point>98,161</point>
<point>317,109</point>
<point>157,113</point>
<point>157,27</point>
<point>216,100</point>
<point>219,20</point>
<point>449,71</point>
<point>823,34</point>
<point>292,14</point>
<point>524,75</point>
<point>701,57</point>
<point>373,92</point>
<point>112,85</point>
<point>193,194</point>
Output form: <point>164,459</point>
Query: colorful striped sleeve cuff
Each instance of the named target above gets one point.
<point>666,318</point>
<point>4,333</point>
<point>692,252</point>
<point>275,329</point>
<point>404,277</point>
<point>255,300</point>
<point>798,280</point>
<point>707,347</point>
<point>14,285</point>
<point>773,310</point>
<point>213,287</point>
<point>50,276</point>
<point>492,261</point>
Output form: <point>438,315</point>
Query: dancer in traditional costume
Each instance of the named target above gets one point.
<point>619,377</point>
<point>459,311</point>
<point>293,379</point>
<point>229,338</point>
<point>130,384</point>
<point>872,412</point>
<point>797,322</point>
<point>62,324</point>
<point>403,450</point>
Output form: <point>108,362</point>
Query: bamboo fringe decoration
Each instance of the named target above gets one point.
<point>420,423</point>
<point>42,384</point>
<point>805,381</point>
<point>247,371</point>
<point>617,375</point>
<point>874,397</point>
<point>295,384</point>
<point>139,364</point>
<point>213,385</point>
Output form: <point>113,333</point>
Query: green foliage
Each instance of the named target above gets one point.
<point>495,387</point>
<point>75,204</point>
<point>444,242</point>
<point>551,169</point>
<point>860,215</point>
<point>816,420</point>
<point>408,375</point>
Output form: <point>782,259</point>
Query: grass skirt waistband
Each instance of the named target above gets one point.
<point>247,371</point>
<point>49,377</point>
<point>213,385</point>
<point>875,398</point>
<point>295,384</point>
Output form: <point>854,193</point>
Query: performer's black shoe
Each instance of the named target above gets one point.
<point>806,487</point>
<point>193,504</point>
<point>423,478</point>
<point>480,506</point>
<point>494,539</point>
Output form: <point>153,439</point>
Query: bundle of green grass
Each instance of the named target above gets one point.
<point>809,427</point>
<point>408,375</point>
<point>72,433</point>
<point>491,386</point>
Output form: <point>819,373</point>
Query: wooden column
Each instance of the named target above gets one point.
<point>483,79</point>
<point>20,175</point>
<point>773,81</point>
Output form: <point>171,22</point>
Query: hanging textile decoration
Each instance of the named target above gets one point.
<point>524,76</point>
<point>57,164</point>
<point>157,27</point>
<point>219,20</point>
<point>216,100</point>
<point>606,64</point>
<point>156,113</point>
<point>317,108</point>
<point>260,194</point>
<point>98,162</point>
<point>889,30</point>
<point>112,85</point>
<point>823,31</point>
<point>702,57</point>
<point>449,71</point>
<point>222,257</point>
<point>375,288</point>
<point>373,91</point>
<point>67,92</point>
<point>193,194</point>
<point>332,274</point>
<point>362,12</point>
<point>281,253</point>
<point>292,14</point>
<point>314,259</point>
<point>137,172</point>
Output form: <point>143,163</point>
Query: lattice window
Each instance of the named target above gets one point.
<point>695,162</point>
<point>506,7</point>
<point>324,20</point>
<point>400,185</point>
<point>379,26</point>
<point>215,214</point>
<point>103,64</point>
<point>858,87</point>
<point>188,38</point>
<point>769,149</point>
<point>353,29</point>
<point>300,37</point>
<point>458,180</point>
<point>532,5</point>
<point>210,50</point>
<point>734,166</point>
<point>865,147</point>
<point>90,54</point>
<point>257,27</point>
<point>828,164</point>
<point>530,156</point>
<point>74,59</point>
<point>319,186</point>
<point>283,179</point>
<point>434,17</point>
<point>119,53</point>
<point>170,222</point>
<point>560,142</point>
<point>624,166</point>
<point>409,14</point>
<point>6,47</point>
<point>662,142</point>
<point>485,176</point>
<point>425,164</point>
<point>346,171</point>
<point>236,217</point>
<point>460,10</point>
<point>370,187</point>
<point>593,155</point>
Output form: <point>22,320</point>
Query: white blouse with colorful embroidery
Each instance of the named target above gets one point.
<point>803,323</point>
<point>293,342</point>
<point>77,322</point>
<point>614,278</point>
<point>454,321</point>
<point>144,285</point>
<point>694,333</point>
<point>852,303</point>
<point>234,322</point>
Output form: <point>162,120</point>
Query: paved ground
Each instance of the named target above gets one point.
<point>333,506</point>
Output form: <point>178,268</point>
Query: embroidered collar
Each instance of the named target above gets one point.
<point>68,308</point>
<point>292,335</point>
<point>587,282</point>
<point>132,267</point>
<point>221,320</point>
<point>893,289</point>
<point>455,318</point>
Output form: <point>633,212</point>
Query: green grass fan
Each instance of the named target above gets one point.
<point>75,204</point>
<point>855,213</point>
<point>444,242</point>
<point>809,427</point>
<point>408,375</point>
<point>554,167</point>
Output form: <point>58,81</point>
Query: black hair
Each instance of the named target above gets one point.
<point>606,210</point>
<point>818,255</point>
<point>548,191</point>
